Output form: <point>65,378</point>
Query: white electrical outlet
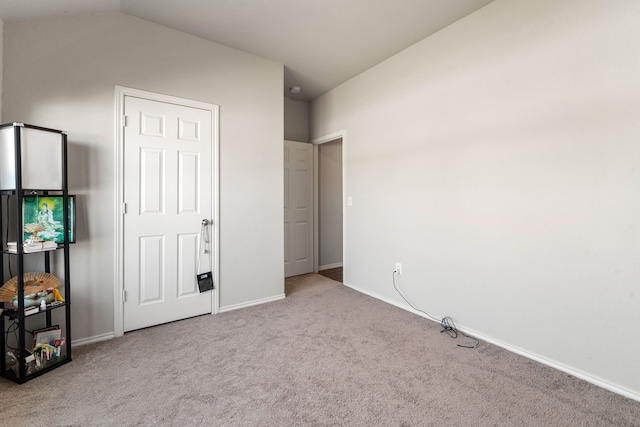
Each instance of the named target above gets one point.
<point>398,268</point>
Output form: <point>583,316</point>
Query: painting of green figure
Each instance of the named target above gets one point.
<point>43,219</point>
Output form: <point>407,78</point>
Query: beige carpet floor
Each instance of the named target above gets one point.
<point>324,356</point>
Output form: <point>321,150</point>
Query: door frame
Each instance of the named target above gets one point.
<point>120,93</point>
<point>316,214</point>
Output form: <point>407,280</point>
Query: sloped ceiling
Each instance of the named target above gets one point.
<point>322,43</point>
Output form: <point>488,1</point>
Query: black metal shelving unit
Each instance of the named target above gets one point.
<point>17,141</point>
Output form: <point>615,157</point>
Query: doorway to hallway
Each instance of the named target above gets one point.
<point>333,274</point>
<point>330,205</point>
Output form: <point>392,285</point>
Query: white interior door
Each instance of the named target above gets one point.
<point>167,193</point>
<point>298,208</point>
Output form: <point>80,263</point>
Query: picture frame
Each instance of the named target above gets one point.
<point>46,335</point>
<point>42,217</point>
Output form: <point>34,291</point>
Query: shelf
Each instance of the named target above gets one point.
<point>13,314</point>
<point>59,247</point>
<point>29,192</point>
<point>24,186</point>
<point>13,377</point>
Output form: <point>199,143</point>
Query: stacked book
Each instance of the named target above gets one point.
<point>32,246</point>
<point>31,310</point>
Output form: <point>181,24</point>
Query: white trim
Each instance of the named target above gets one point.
<point>316,209</point>
<point>329,266</point>
<point>623,391</point>
<point>251,303</point>
<point>557,365</point>
<point>318,141</point>
<point>120,94</point>
<point>93,339</point>
<point>118,280</point>
<point>389,301</point>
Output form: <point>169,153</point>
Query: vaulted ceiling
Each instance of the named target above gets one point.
<point>322,43</point>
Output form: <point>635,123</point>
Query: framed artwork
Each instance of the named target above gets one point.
<point>42,217</point>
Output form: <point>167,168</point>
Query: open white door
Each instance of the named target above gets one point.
<point>298,208</point>
<point>168,191</point>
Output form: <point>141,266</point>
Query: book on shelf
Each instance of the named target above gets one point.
<point>30,247</point>
<point>31,310</point>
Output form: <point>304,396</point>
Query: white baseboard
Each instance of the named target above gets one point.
<point>111,335</point>
<point>93,339</point>
<point>623,391</point>
<point>559,366</point>
<point>250,303</point>
<point>329,266</point>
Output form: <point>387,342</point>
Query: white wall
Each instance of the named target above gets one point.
<point>330,203</point>
<point>296,120</point>
<point>499,161</point>
<point>61,73</point>
<point>1,64</point>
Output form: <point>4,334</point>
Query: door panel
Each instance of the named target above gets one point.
<point>298,209</point>
<point>187,249</point>
<point>188,189</point>
<point>151,181</point>
<point>151,259</point>
<point>168,192</point>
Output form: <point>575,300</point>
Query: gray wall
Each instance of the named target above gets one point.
<point>296,120</point>
<point>330,203</point>
<point>498,161</point>
<point>62,73</point>
<point>1,64</point>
